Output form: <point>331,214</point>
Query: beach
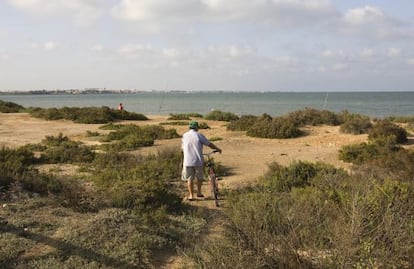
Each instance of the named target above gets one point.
<point>246,157</point>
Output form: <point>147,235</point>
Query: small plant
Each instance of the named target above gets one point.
<point>92,134</point>
<point>178,117</point>
<point>221,116</point>
<point>131,137</point>
<point>244,123</point>
<point>266,127</point>
<point>311,116</point>
<point>364,152</point>
<point>385,128</point>
<point>355,123</point>
<point>10,107</point>
<point>87,115</point>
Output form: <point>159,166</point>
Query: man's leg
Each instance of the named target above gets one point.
<point>199,184</point>
<point>190,185</point>
<point>200,177</point>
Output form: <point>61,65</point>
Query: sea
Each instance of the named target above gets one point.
<point>373,104</point>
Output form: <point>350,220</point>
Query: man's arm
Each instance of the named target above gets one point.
<point>212,146</point>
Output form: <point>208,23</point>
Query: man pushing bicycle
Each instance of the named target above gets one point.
<point>193,164</point>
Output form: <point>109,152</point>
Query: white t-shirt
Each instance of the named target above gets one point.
<point>192,145</point>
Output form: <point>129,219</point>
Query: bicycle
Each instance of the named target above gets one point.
<point>213,179</point>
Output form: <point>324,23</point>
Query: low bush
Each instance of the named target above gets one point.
<point>385,128</point>
<point>326,219</point>
<point>355,123</point>
<point>60,149</point>
<point>139,183</point>
<point>10,107</point>
<point>131,137</point>
<point>398,165</point>
<point>92,134</point>
<point>186,116</point>
<point>221,116</point>
<point>364,152</point>
<point>400,119</point>
<point>311,116</point>
<point>244,123</point>
<point>298,174</point>
<point>87,115</point>
<point>266,127</point>
<point>16,165</point>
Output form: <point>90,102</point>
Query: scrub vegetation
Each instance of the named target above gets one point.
<point>123,209</point>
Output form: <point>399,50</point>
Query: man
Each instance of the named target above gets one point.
<point>192,145</point>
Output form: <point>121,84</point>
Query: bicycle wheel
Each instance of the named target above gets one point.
<point>214,188</point>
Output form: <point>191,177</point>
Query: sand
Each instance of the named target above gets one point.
<point>246,157</point>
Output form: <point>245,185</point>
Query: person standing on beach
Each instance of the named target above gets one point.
<point>120,107</point>
<point>193,164</point>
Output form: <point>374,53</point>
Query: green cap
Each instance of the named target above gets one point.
<point>193,125</point>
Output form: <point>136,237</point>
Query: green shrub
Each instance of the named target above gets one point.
<point>244,123</point>
<point>311,116</point>
<point>266,127</point>
<point>178,117</point>
<point>297,175</point>
<point>385,128</point>
<point>10,107</point>
<point>92,134</point>
<point>62,150</point>
<point>221,116</point>
<point>355,123</point>
<point>110,126</point>
<point>400,119</point>
<point>364,152</point>
<point>143,195</point>
<point>398,165</point>
<point>139,183</point>
<point>54,141</point>
<point>328,220</point>
<point>203,125</point>
<point>131,137</point>
<point>87,115</point>
<point>15,164</point>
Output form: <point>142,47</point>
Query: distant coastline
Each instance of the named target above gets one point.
<point>133,91</point>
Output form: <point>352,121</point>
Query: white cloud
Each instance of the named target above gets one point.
<point>134,51</point>
<point>82,11</point>
<point>410,61</point>
<point>230,51</point>
<point>141,10</point>
<point>366,53</point>
<point>333,54</point>
<point>373,22</point>
<point>283,12</point>
<point>339,67</point>
<point>394,52</point>
<point>365,15</point>
<point>49,45</point>
<point>97,48</point>
<point>4,56</point>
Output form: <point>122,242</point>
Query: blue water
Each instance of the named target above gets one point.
<point>373,104</point>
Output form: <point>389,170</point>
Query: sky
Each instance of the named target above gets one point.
<point>207,45</point>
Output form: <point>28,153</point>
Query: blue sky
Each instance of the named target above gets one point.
<point>234,45</point>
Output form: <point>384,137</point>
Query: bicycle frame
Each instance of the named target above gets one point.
<point>212,178</point>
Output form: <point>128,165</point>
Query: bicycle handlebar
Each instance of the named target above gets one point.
<point>210,153</point>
